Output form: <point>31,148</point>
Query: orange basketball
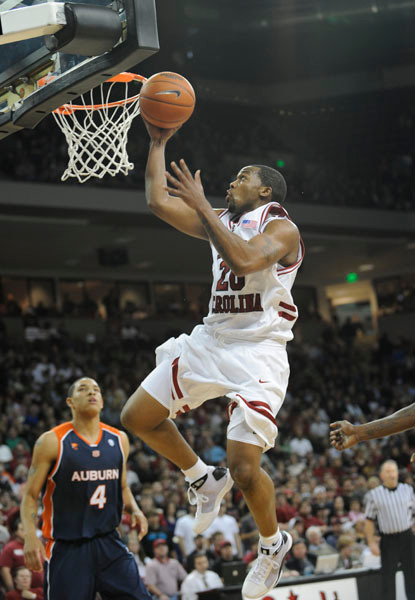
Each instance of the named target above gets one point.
<point>167,100</point>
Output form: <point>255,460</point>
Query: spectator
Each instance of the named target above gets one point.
<point>316,544</point>
<point>228,525</point>
<point>201,547</point>
<point>156,531</point>
<point>213,454</point>
<point>12,557</point>
<point>285,511</point>
<point>299,444</point>
<point>163,574</point>
<point>248,531</point>
<point>345,548</point>
<point>299,560</point>
<point>184,533</point>
<point>23,589</point>
<point>355,512</point>
<point>200,579</point>
<point>216,540</point>
<point>226,555</point>
<point>333,535</point>
<point>136,550</point>
<point>304,511</point>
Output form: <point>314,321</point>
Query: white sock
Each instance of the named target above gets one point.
<point>196,472</point>
<point>273,540</point>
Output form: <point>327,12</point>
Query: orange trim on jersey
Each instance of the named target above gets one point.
<point>110,428</point>
<point>85,440</point>
<point>47,514</point>
<point>48,548</point>
<point>60,432</point>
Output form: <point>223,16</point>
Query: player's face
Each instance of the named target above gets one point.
<point>87,397</point>
<point>246,192</point>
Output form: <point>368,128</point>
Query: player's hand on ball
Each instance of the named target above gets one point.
<point>139,521</point>
<point>183,185</point>
<point>157,134</point>
<point>342,435</point>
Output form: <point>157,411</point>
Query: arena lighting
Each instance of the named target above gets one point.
<point>352,277</point>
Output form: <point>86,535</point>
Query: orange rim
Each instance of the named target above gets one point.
<point>125,77</point>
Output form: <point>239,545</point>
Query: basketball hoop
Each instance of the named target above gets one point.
<point>97,134</point>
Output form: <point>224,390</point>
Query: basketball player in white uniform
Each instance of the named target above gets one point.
<point>238,352</point>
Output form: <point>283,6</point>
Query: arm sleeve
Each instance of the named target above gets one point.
<point>178,529</point>
<point>6,558</point>
<point>188,590</point>
<point>217,581</point>
<point>181,572</point>
<point>151,575</point>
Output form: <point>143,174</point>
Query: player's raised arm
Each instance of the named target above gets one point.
<point>138,518</point>
<point>170,209</point>
<point>278,242</point>
<point>44,455</point>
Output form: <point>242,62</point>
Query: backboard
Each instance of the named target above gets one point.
<point>35,79</point>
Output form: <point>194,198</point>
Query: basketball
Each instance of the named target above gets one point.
<point>167,100</point>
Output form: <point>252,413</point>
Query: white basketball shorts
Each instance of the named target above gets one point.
<point>197,367</point>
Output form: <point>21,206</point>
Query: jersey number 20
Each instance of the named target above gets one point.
<point>236,283</point>
<point>98,498</point>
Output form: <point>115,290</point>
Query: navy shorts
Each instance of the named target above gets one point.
<point>76,570</point>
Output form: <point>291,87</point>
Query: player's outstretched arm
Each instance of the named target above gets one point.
<point>138,518</point>
<point>170,209</point>
<point>279,239</point>
<point>344,435</point>
<point>44,456</point>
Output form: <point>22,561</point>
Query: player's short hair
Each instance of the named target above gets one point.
<point>72,387</point>
<point>273,179</point>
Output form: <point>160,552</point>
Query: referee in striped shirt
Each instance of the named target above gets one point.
<point>392,505</point>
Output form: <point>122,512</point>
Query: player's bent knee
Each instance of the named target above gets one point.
<point>243,474</point>
<point>142,413</point>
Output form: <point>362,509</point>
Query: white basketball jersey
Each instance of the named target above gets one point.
<point>258,306</point>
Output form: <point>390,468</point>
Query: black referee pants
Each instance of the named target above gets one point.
<point>397,549</point>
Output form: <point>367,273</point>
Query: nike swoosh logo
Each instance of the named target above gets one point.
<point>165,92</point>
<point>261,381</point>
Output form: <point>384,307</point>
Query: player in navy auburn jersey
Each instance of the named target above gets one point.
<point>238,352</point>
<point>81,468</point>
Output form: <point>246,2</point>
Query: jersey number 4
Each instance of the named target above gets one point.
<point>99,498</point>
<point>235,283</point>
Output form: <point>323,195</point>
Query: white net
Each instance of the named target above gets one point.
<point>97,134</point>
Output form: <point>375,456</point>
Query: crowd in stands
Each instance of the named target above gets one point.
<point>397,296</point>
<point>215,142</point>
<point>320,492</point>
